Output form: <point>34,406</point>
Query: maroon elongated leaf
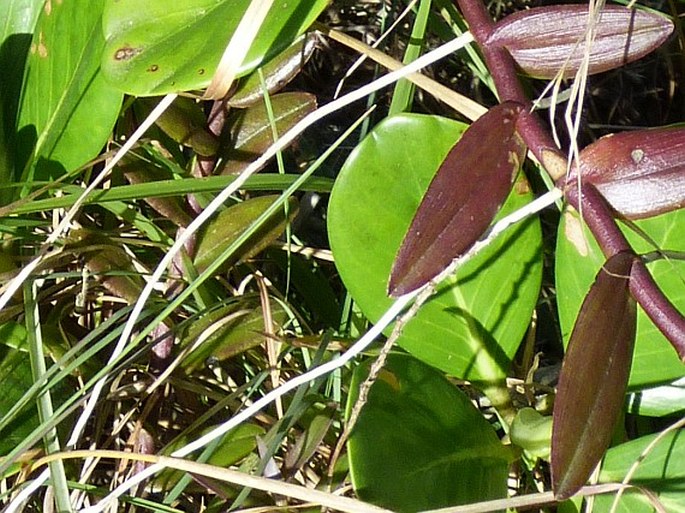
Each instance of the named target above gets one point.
<point>641,173</point>
<point>463,198</point>
<point>544,40</point>
<point>594,377</point>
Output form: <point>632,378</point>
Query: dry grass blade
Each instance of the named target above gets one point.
<point>237,49</point>
<point>328,500</point>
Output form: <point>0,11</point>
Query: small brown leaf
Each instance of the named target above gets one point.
<point>222,231</point>
<point>594,377</point>
<point>186,124</point>
<point>277,73</point>
<point>463,198</point>
<point>640,173</point>
<point>109,262</point>
<point>251,132</point>
<point>544,40</point>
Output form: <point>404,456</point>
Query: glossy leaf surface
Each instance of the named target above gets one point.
<point>186,124</point>
<point>277,73</point>
<point>67,109</point>
<point>462,199</point>
<point>157,47</point>
<point>228,331</point>
<point>543,40</point>
<point>640,173</point>
<point>223,230</point>
<point>593,377</point>
<point>473,325</point>
<point>578,259</point>
<point>250,131</point>
<point>662,472</point>
<point>420,443</point>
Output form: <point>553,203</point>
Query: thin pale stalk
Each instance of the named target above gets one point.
<point>44,400</point>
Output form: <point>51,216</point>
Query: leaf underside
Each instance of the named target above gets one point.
<point>593,378</point>
<point>463,198</point>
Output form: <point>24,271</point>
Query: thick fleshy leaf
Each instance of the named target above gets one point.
<point>67,109</point>
<point>233,447</point>
<point>186,124</point>
<point>640,173</point>
<point>532,431</point>
<point>277,73</point>
<point>473,325</point>
<point>545,40</point>
<point>228,331</point>
<point>594,377</point>
<point>579,258</point>
<point>420,443</point>
<point>223,230</point>
<point>462,200</point>
<point>157,47</point>
<point>250,132</point>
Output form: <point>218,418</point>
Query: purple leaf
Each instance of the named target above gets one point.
<point>640,173</point>
<point>463,198</point>
<point>544,40</point>
<point>594,377</point>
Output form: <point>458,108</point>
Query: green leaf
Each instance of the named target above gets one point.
<point>593,379</point>
<point>658,401</point>
<point>228,331</point>
<point>250,131</point>
<point>420,443</point>
<point>277,73</point>
<point>67,109</point>
<point>532,431</point>
<point>157,47</point>
<point>18,20</point>
<point>578,258</point>
<point>662,472</point>
<point>472,327</point>
<point>220,232</point>
<point>15,372</point>
<point>233,447</point>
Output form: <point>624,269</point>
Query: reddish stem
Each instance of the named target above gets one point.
<point>596,212</point>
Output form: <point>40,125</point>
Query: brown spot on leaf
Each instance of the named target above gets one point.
<point>521,187</point>
<point>41,48</point>
<point>201,71</point>
<point>153,68</point>
<point>126,53</point>
<point>574,232</point>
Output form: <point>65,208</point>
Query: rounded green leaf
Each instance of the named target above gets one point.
<point>661,472</point>
<point>157,47</point>
<point>578,259</point>
<point>473,325</point>
<point>420,443</point>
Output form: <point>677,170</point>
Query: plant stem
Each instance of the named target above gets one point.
<point>509,88</point>
<point>596,212</point>
<point>44,401</point>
